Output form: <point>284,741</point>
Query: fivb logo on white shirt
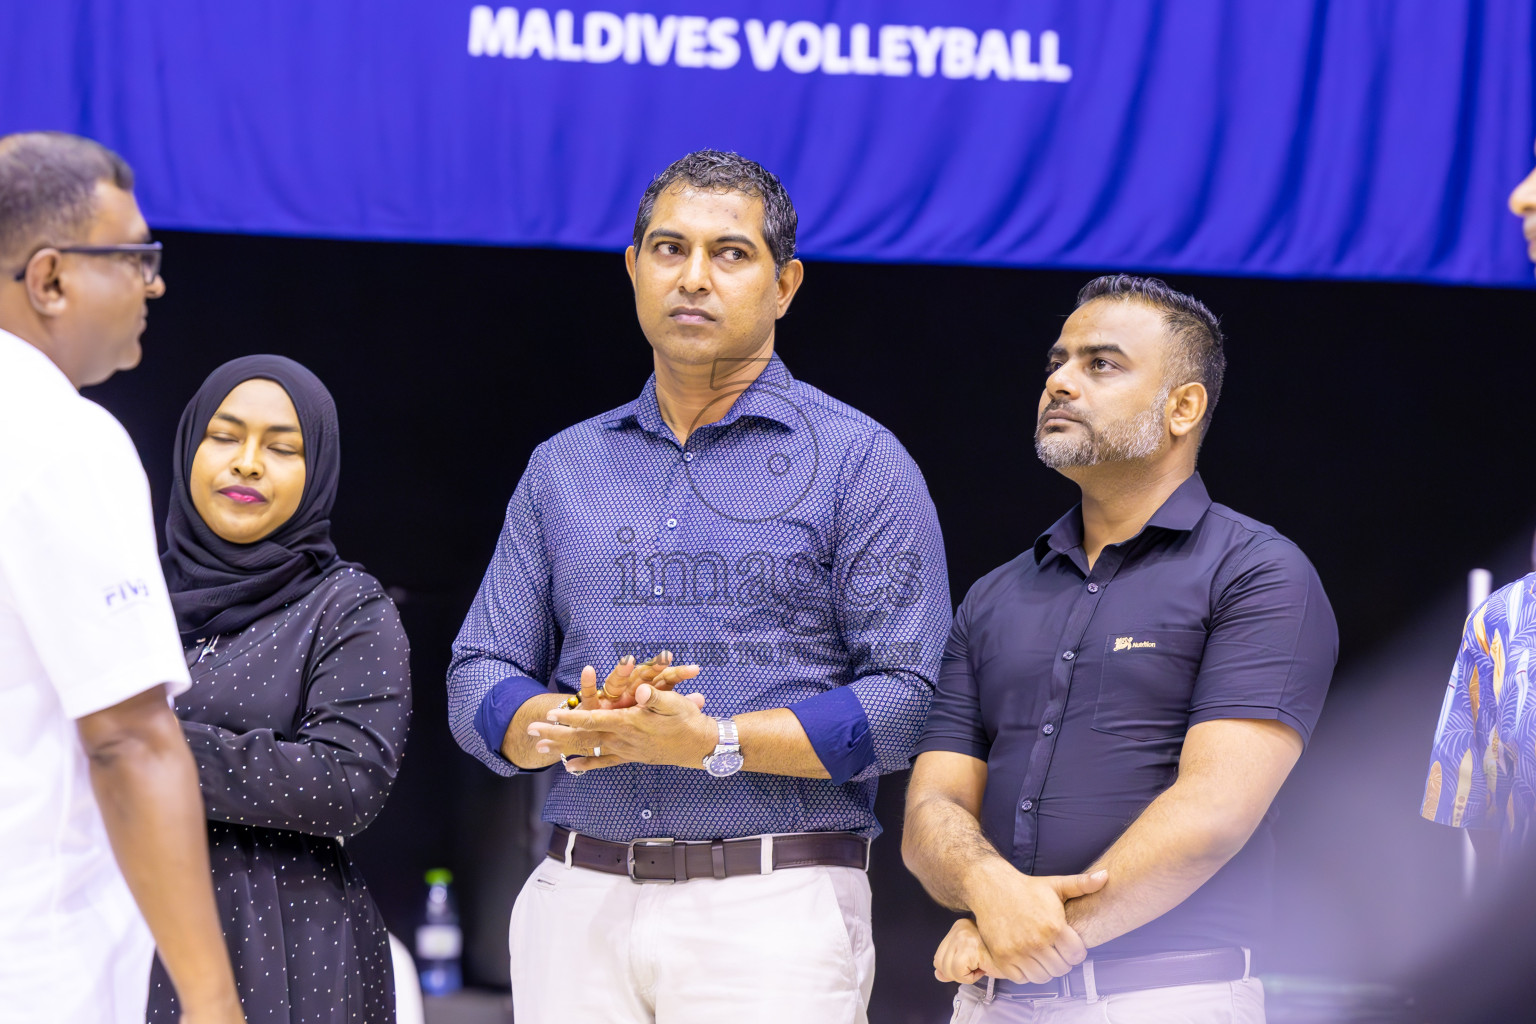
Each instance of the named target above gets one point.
<point>125,594</point>
<point>895,51</point>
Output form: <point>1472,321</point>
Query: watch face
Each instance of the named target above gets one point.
<point>723,764</point>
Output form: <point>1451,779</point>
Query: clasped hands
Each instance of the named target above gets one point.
<point>633,717</point>
<point>1020,932</point>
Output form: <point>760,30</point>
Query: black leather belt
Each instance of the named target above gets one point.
<point>1112,975</point>
<point>669,860</point>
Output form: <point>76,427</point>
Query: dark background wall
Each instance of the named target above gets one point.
<point>1383,427</point>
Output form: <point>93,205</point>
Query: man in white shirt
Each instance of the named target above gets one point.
<point>92,759</point>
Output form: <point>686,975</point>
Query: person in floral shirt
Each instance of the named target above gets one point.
<point>1485,745</point>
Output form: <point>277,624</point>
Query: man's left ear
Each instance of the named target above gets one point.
<point>790,279</point>
<point>629,265</point>
<point>1186,408</point>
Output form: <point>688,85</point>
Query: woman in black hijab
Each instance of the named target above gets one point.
<point>300,695</point>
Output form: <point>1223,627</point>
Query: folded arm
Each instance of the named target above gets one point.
<point>1021,931</point>
<point>1263,677</point>
<point>1229,773</point>
<point>332,777</point>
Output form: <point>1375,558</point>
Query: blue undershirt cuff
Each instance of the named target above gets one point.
<point>494,716</point>
<point>838,729</point>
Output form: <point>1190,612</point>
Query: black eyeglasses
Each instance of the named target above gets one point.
<point>147,253</point>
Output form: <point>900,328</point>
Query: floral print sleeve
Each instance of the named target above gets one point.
<point>1480,774</point>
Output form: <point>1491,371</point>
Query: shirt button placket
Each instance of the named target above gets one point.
<point>1025,820</point>
<point>675,497</point>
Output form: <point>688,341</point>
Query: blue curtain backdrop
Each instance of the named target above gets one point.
<point>1358,138</point>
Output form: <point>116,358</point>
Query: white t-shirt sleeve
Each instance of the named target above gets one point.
<point>78,550</point>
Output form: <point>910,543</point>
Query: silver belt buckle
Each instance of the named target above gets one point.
<point>629,860</point>
<point>1063,990</point>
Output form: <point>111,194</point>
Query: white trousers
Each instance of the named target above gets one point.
<point>791,947</point>
<point>1226,1002</point>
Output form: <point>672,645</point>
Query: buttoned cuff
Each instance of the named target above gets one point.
<point>497,710</point>
<point>838,729</point>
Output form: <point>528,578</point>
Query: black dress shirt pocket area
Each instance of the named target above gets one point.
<point>1146,681</point>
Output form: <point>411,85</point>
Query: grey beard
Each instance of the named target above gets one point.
<point>1135,438</point>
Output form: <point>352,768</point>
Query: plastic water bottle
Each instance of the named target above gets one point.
<point>439,941</point>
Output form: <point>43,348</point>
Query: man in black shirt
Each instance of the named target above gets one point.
<point>1118,706</point>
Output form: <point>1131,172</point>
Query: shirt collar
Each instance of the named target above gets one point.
<point>1182,511</point>
<point>37,357</point>
<point>766,398</point>
<point>1185,507</point>
<point>1063,535</point>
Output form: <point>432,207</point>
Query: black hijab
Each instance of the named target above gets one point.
<point>218,587</point>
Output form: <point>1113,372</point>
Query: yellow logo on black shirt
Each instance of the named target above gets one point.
<point>1125,643</point>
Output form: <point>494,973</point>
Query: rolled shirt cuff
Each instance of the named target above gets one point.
<point>838,729</point>
<point>496,711</point>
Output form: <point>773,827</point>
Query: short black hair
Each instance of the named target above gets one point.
<point>1197,355</point>
<point>48,189</point>
<point>713,170</point>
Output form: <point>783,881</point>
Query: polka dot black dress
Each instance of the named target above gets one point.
<point>297,724</point>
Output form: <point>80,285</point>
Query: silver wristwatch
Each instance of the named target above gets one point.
<point>726,760</point>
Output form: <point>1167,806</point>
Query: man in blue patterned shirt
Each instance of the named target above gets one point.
<point>783,548</point>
